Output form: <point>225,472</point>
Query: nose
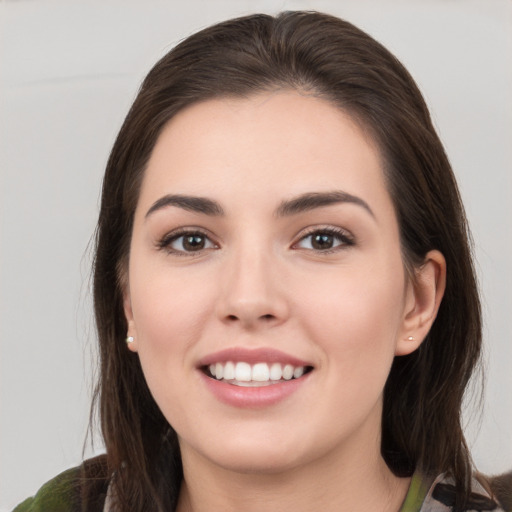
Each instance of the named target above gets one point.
<point>252,292</point>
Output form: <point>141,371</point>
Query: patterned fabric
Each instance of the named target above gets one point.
<point>439,496</point>
<point>85,489</point>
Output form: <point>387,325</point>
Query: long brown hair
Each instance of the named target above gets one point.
<point>330,58</point>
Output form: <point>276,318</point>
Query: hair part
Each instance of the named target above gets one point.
<point>317,54</point>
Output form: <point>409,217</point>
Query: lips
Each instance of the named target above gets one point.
<point>252,356</point>
<point>253,378</point>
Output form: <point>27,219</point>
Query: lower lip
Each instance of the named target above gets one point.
<point>253,397</point>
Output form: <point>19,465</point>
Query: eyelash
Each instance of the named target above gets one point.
<point>340,235</point>
<point>166,242</point>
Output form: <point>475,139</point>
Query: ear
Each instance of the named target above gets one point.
<point>423,298</point>
<point>128,313</point>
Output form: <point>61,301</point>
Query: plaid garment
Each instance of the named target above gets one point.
<point>85,489</point>
<point>438,495</point>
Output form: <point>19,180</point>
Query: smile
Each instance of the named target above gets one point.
<point>259,374</point>
<point>253,378</point>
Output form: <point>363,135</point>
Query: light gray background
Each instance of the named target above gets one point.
<point>69,71</point>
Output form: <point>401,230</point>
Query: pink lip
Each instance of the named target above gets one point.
<point>251,356</point>
<point>253,397</point>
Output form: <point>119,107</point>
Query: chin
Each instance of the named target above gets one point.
<point>249,454</point>
<point>261,462</point>
<point>264,452</point>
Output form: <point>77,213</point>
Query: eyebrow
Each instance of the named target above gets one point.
<point>302,203</point>
<point>191,203</point>
<point>312,200</point>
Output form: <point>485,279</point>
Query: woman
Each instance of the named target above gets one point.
<point>284,292</point>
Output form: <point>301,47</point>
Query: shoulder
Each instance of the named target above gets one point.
<point>501,486</point>
<point>80,489</point>
<point>440,495</point>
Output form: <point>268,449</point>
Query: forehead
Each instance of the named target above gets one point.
<point>294,142</point>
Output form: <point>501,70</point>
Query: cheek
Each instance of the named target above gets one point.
<point>170,312</point>
<point>170,316</point>
<point>355,318</point>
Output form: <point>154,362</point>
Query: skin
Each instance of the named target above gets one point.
<point>260,282</point>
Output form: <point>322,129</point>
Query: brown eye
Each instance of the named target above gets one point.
<point>322,241</point>
<point>193,242</point>
<point>186,242</point>
<point>325,240</point>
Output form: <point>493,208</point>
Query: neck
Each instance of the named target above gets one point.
<point>357,480</point>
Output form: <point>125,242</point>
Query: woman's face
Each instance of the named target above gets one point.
<point>265,244</point>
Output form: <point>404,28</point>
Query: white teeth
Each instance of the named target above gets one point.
<point>242,373</point>
<point>229,371</point>
<point>251,384</point>
<point>260,372</point>
<point>298,372</point>
<point>276,372</point>
<point>287,372</point>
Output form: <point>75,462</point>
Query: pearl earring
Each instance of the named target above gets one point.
<point>129,339</point>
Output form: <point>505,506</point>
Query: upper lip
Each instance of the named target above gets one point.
<point>251,356</point>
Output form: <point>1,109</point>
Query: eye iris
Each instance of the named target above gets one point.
<point>193,242</point>
<point>322,241</point>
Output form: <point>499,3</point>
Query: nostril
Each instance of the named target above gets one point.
<point>267,317</point>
